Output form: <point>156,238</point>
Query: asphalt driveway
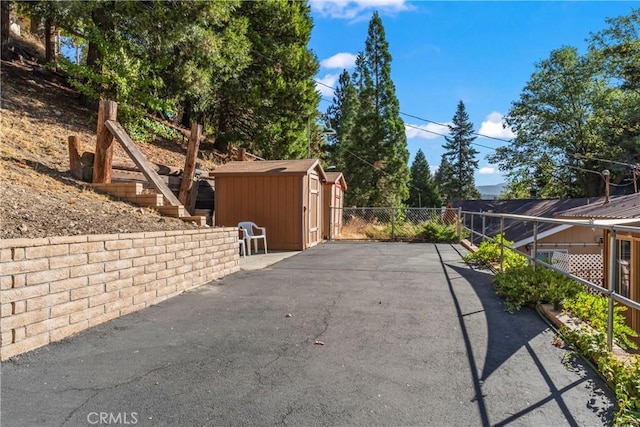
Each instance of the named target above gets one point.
<point>348,334</point>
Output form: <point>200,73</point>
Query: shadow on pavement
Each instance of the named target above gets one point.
<point>500,324</point>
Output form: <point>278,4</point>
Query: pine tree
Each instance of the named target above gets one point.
<point>268,108</point>
<point>422,189</point>
<point>445,180</point>
<point>461,156</point>
<point>376,158</point>
<point>340,117</point>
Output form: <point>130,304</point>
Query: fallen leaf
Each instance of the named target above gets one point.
<point>318,343</point>
<point>287,315</point>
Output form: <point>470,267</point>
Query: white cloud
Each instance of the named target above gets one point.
<point>328,80</point>
<point>493,127</point>
<point>487,170</point>
<point>357,9</point>
<point>342,60</point>
<point>426,131</point>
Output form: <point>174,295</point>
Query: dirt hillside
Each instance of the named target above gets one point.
<point>39,197</point>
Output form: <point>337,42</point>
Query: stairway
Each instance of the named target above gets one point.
<point>135,193</point>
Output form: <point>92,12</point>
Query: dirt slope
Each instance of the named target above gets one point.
<point>38,196</point>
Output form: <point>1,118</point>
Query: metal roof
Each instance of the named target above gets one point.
<point>518,230</point>
<point>621,207</point>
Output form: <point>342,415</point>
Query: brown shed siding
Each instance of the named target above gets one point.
<point>274,194</point>
<point>269,201</point>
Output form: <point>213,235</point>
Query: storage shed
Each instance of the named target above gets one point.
<point>285,196</point>
<point>333,190</point>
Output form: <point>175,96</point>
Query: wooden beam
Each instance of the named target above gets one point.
<point>104,143</point>
<point>138,158</point>
<point>190,164</point>
<point>75,163</point>
<point>127,165</point>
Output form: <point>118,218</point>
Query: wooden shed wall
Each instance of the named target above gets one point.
<point>333,197</point>
<point>274,202</point>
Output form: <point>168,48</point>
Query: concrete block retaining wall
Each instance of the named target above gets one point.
<point>54,287</point>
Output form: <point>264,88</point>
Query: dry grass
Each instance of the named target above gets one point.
<point>38,112</point>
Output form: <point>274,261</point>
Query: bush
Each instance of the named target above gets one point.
<point>436,232</point>
<point>488,254</point>
<point>623,375</point>
<point>430,231</point>
<point>522,286</point>
<point>594,309</point>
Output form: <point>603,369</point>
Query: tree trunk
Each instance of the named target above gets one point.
<point>4,24</point>
<point>51,57</point>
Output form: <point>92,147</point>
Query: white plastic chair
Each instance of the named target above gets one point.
<point>248,232</point>
<point>243,247</point>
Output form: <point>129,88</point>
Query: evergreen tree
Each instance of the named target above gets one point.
<point>270,106</point>
<point>376,158</point>
<point>461,156</point>
<point>422,188</point>
<point>445,180</point>
<point>341,116</point>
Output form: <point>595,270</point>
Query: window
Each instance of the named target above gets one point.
<point>624,268</point>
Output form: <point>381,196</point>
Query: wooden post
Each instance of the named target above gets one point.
<point>104,143</point>
<point>242,154</point>
<point>190,164</point>
<point>74,157</point>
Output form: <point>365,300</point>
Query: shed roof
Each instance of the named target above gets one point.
<point>270,167</point>
<point>621,207</point>
<point>333,177</point>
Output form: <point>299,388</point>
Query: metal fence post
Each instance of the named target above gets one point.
<point>473,229</point>
<point>484,226</point>
<point>459,225</point>
<point>535,244</point>
<point>501,243</point>
<point>393,224</point>
<point>613,286</point>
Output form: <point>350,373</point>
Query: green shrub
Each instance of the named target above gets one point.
<point>437,232</point>
<point>522,286</point>
<point>594,309</point>
<point>488,254</point>
<point>430,231</point>
<point>623,375</point>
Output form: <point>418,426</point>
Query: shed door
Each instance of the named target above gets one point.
<point>337,211</point>
<point>314,209</point>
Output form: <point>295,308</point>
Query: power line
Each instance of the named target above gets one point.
<point>401,113</point>
<point>580,156</point>
<point>442,124</point>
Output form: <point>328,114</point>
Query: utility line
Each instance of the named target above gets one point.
<point>400,112</point>
<point>580,156</point>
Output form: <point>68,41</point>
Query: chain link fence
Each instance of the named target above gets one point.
<point>387,223</point>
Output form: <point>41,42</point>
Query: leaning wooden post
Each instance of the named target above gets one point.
<point>75,162</point>
<point>190,164</point>
<point>104,143</point>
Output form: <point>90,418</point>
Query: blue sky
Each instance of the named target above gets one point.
<point>482,53</point>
